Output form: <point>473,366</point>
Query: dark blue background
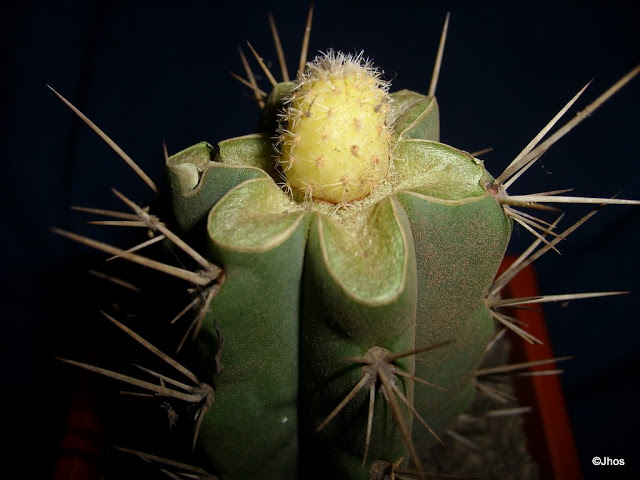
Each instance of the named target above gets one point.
<point>149,72</point>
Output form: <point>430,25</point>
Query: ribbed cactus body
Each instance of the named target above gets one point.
<point>311,287</point>
<point>258,369</point>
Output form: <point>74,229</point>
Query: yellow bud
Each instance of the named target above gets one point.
<point>334,141</point>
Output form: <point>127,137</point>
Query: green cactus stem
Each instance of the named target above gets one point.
<point>399,269</point>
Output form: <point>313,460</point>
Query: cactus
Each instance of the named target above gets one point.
<point>345,257</point>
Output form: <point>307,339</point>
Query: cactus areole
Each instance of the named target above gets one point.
<point>357,252</point>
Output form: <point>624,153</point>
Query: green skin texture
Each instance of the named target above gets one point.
<point>305,290</point>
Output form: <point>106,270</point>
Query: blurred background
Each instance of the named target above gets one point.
<point>149,72</point>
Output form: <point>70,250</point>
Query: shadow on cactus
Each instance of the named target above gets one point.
<point>346,289</point>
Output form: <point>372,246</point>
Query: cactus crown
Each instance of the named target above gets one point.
<point>334,142</point>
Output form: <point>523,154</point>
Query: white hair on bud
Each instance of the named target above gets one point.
<point>337,64</point>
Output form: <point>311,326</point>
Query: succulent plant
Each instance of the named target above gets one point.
<point>346,290</point>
